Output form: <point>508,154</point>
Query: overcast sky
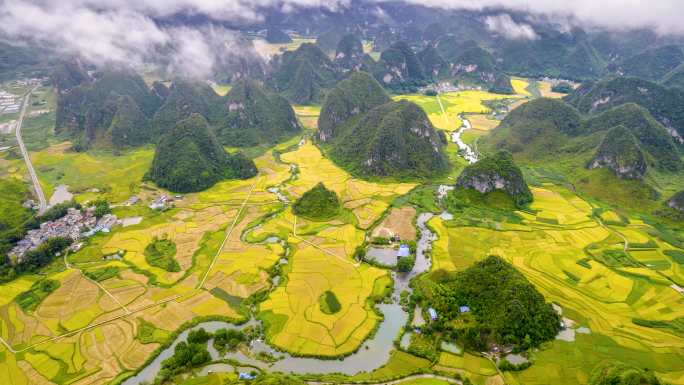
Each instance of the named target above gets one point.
<point>123,31</point>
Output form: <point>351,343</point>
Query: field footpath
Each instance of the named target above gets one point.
<point>87,327</point>
<point>393,382</point>
<point>294,234</point>
<point>225,239</point>
<point>27,159</point>
<point>69,267</point>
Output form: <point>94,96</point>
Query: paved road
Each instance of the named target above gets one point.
<point>34,178</point>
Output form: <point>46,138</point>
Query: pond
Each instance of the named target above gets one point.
<point>385,256</point>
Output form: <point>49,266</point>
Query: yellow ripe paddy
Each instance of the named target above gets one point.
<point>546,248</point>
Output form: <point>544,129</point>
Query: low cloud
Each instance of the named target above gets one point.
<point>124,32</point>
<point>661,16</point>
<point>504,25</point>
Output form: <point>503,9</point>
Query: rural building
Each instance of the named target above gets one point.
<point>404,251</point>
<point>464,309</point>
<point>433,314</point>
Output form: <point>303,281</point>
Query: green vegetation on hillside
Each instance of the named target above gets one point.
<point>502,85</point>
<point>349,53</point>
<point>620,152</point>
<point>302,76</point>
<point>15,219</point>
<point>662,102</point>
<point>184,99</point>
<point>505,308</point>
<point>319,204</point>
<point>395,139</point>
<point>188,158</point>
<point>652,64</point>
<point>617,373</point>
<point>160,253</point>
<point>651,135</point>
<point>256,117</point>
<point>496,172</point>
<point>95,114</point>
<point>353,96</point>
<point>399,68</point>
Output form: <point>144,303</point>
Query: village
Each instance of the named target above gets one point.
<point>75,225</point>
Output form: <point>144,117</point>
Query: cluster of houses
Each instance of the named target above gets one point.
<point>163,201</point>
<point>75,225</point>
<point>9,103</point>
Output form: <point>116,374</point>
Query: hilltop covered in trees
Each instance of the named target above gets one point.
<point>395,139</point>
<point>189,158</point>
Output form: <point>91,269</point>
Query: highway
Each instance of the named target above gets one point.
<point>32,172</point>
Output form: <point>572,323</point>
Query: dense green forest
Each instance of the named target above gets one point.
<point>317,204</point>
<point>189,158</point>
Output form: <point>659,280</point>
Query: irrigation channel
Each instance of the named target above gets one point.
<point>372,354</point>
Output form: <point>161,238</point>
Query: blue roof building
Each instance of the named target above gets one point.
<point>464,309</point>
<point>404,251</point>
<point>433,314</point>
<point>246,376</point>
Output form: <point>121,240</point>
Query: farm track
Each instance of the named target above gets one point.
<point>67,334</point>
<point>27,159</point>
<point>225,239</point>
<point>294,234</point>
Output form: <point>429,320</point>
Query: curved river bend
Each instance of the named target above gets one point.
<point>372,354</point>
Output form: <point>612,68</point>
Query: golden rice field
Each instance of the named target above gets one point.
<point>546,248</point>
<point>454,104</point>
<point>545,90</point>
<point>218,267</point>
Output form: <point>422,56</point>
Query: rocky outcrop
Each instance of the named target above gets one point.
<point>496,172</point>
<point>677,201</point>
<point>620,152</point>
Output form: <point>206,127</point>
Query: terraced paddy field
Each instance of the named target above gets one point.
<point>549,246</point>
<point>227,239</point>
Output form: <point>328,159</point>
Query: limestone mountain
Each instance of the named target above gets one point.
<point>651,64</point>
<point>184,99</point>
<point>319,203</point>
<point>255,116</point>
<point>433,63</point>
<point>69,74</point>
<point>395,139</point>
<point>652,137</point>
<point>130,126</point>
<point>674,78</point>
<point>662,102</point>
<point>188,158</point>
<point>302,76</point>
<point>676,202</point>
<point>85,112</point>
<point>502,85</point>
<point>535,128</point>
<point>620,153</point>
<point>161,90</point>
<point>399,67</point>
<point>349,54</point>
<point>277,36</point>
<point>496,172</point>
<point>475,64</point>
<point>355,95</point>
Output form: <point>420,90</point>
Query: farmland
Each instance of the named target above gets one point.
<point>241,252</point>
<point>548,248</point>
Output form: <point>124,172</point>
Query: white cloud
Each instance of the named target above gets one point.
<point>504,25</point>
<point>662,16</point>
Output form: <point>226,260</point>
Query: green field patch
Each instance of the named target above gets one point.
<point>103,273</point>
<point>676,255</point>
<point>329,303</point>
<point>30,299</point>
<point>148,333</point>
<point>160,252</point>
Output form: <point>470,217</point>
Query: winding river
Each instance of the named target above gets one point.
<point>372,354</point>
<point>467,151</point>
